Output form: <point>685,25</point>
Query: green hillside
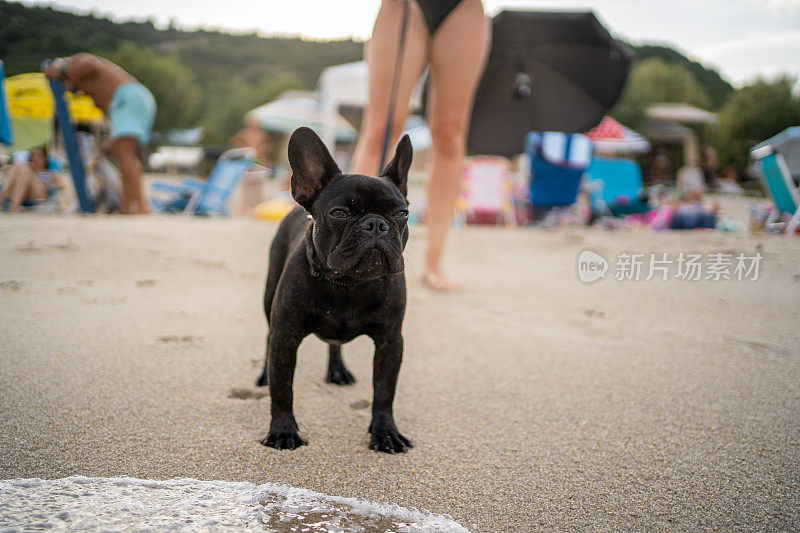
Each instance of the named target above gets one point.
<point>30,34</point>
<point>717,88</point>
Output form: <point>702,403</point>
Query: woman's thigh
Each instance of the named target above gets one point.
<point>458,55</point>
<point>381,56</point>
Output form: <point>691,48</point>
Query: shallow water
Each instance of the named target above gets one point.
<point>123,503</point>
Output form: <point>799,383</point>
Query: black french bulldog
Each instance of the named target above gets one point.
<point>336,270</point>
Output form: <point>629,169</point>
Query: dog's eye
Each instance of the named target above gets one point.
<point>339,213</point>
<point>402,215</point>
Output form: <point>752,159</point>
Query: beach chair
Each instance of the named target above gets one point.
<point>197,197</point>
<point>486,195</point>
<point>778,182</point>
<point>615,187</point>
<point>557,164</point>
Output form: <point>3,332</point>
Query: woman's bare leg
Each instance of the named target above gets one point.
<point>7,183</point>
<point>381,54</point>
<point>458,55</point>
<point>23,183</point>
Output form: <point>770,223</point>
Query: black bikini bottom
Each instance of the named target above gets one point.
<point>435,11</point>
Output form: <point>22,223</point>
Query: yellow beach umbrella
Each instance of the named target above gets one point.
<point>29,96</point>
<point>82,108</point>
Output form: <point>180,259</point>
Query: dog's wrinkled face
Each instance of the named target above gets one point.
<point>359,222</point>
<point>360,227</point>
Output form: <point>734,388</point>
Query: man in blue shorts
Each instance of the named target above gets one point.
<point>130,109</point>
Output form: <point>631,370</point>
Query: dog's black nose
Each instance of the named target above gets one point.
<point>375,225</point>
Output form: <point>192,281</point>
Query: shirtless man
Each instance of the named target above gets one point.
<point>130,109</point>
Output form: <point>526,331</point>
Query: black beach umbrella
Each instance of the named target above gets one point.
<point>547,71</point>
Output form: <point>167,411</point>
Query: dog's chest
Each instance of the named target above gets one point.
<point>343,323</point>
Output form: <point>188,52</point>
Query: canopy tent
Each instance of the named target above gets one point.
<point>667,125</point>
<point>348,85</point>
<point>681,112</point>
<point>787,143</point>
<point>612,137</point>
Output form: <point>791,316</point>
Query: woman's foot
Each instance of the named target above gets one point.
<point>438,282</point>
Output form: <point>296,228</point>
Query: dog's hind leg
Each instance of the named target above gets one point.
<point>337,372</point>
<point>263,380</point>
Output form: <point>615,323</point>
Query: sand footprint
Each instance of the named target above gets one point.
<point>244,393</point>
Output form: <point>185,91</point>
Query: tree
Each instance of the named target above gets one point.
<point>717,88</point>
<point>652,81</point>
<point>171,83</point>
<point>752,114</point>
<point>230,99</point>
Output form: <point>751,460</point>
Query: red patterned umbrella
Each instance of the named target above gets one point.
<point>611,136</point>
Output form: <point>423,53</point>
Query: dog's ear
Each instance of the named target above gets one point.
<point>397,169</point>
<point>312,165</point>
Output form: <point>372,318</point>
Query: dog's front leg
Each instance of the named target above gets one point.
<point>282,358</point>
<point>384,436</point>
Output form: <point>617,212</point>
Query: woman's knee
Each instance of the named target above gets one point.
<point>372,136</point>
<point>449,137</point>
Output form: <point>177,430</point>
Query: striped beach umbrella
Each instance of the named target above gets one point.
<point>287,114</point>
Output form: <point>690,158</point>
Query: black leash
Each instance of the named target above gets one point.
<point>395,82</point>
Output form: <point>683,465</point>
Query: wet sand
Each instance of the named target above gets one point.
<point>130,346</point>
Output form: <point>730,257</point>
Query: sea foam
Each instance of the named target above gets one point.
<point>124,503</point>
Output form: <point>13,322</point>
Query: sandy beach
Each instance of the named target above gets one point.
<point>130,346</point>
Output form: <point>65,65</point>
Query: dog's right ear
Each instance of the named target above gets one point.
<point>397,169</point>
<point>312,166</point>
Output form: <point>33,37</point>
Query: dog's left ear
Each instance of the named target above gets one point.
<point>312,165</point>
<point>397,169</point>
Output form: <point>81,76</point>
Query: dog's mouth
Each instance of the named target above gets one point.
<point>372,262</point>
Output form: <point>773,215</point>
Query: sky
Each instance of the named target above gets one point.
<point>742,38</point>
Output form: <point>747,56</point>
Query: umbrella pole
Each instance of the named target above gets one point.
<point>395,82</point>
<point>71,146</point>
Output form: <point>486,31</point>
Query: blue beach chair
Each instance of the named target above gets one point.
<point>196,197</point>
<point>778,181</point>
<point>558,162</point>
<point>615,187</point>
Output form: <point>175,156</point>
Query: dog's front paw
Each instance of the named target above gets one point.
<point>386,438</point>
<point>283,439</point>
<point>340,376</point>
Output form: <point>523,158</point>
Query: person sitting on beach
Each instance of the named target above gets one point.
<point>728,181</point>
<point>252,136</point>
<point>130,108</point>
<point>28,181</point>
<point>691,211</point>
